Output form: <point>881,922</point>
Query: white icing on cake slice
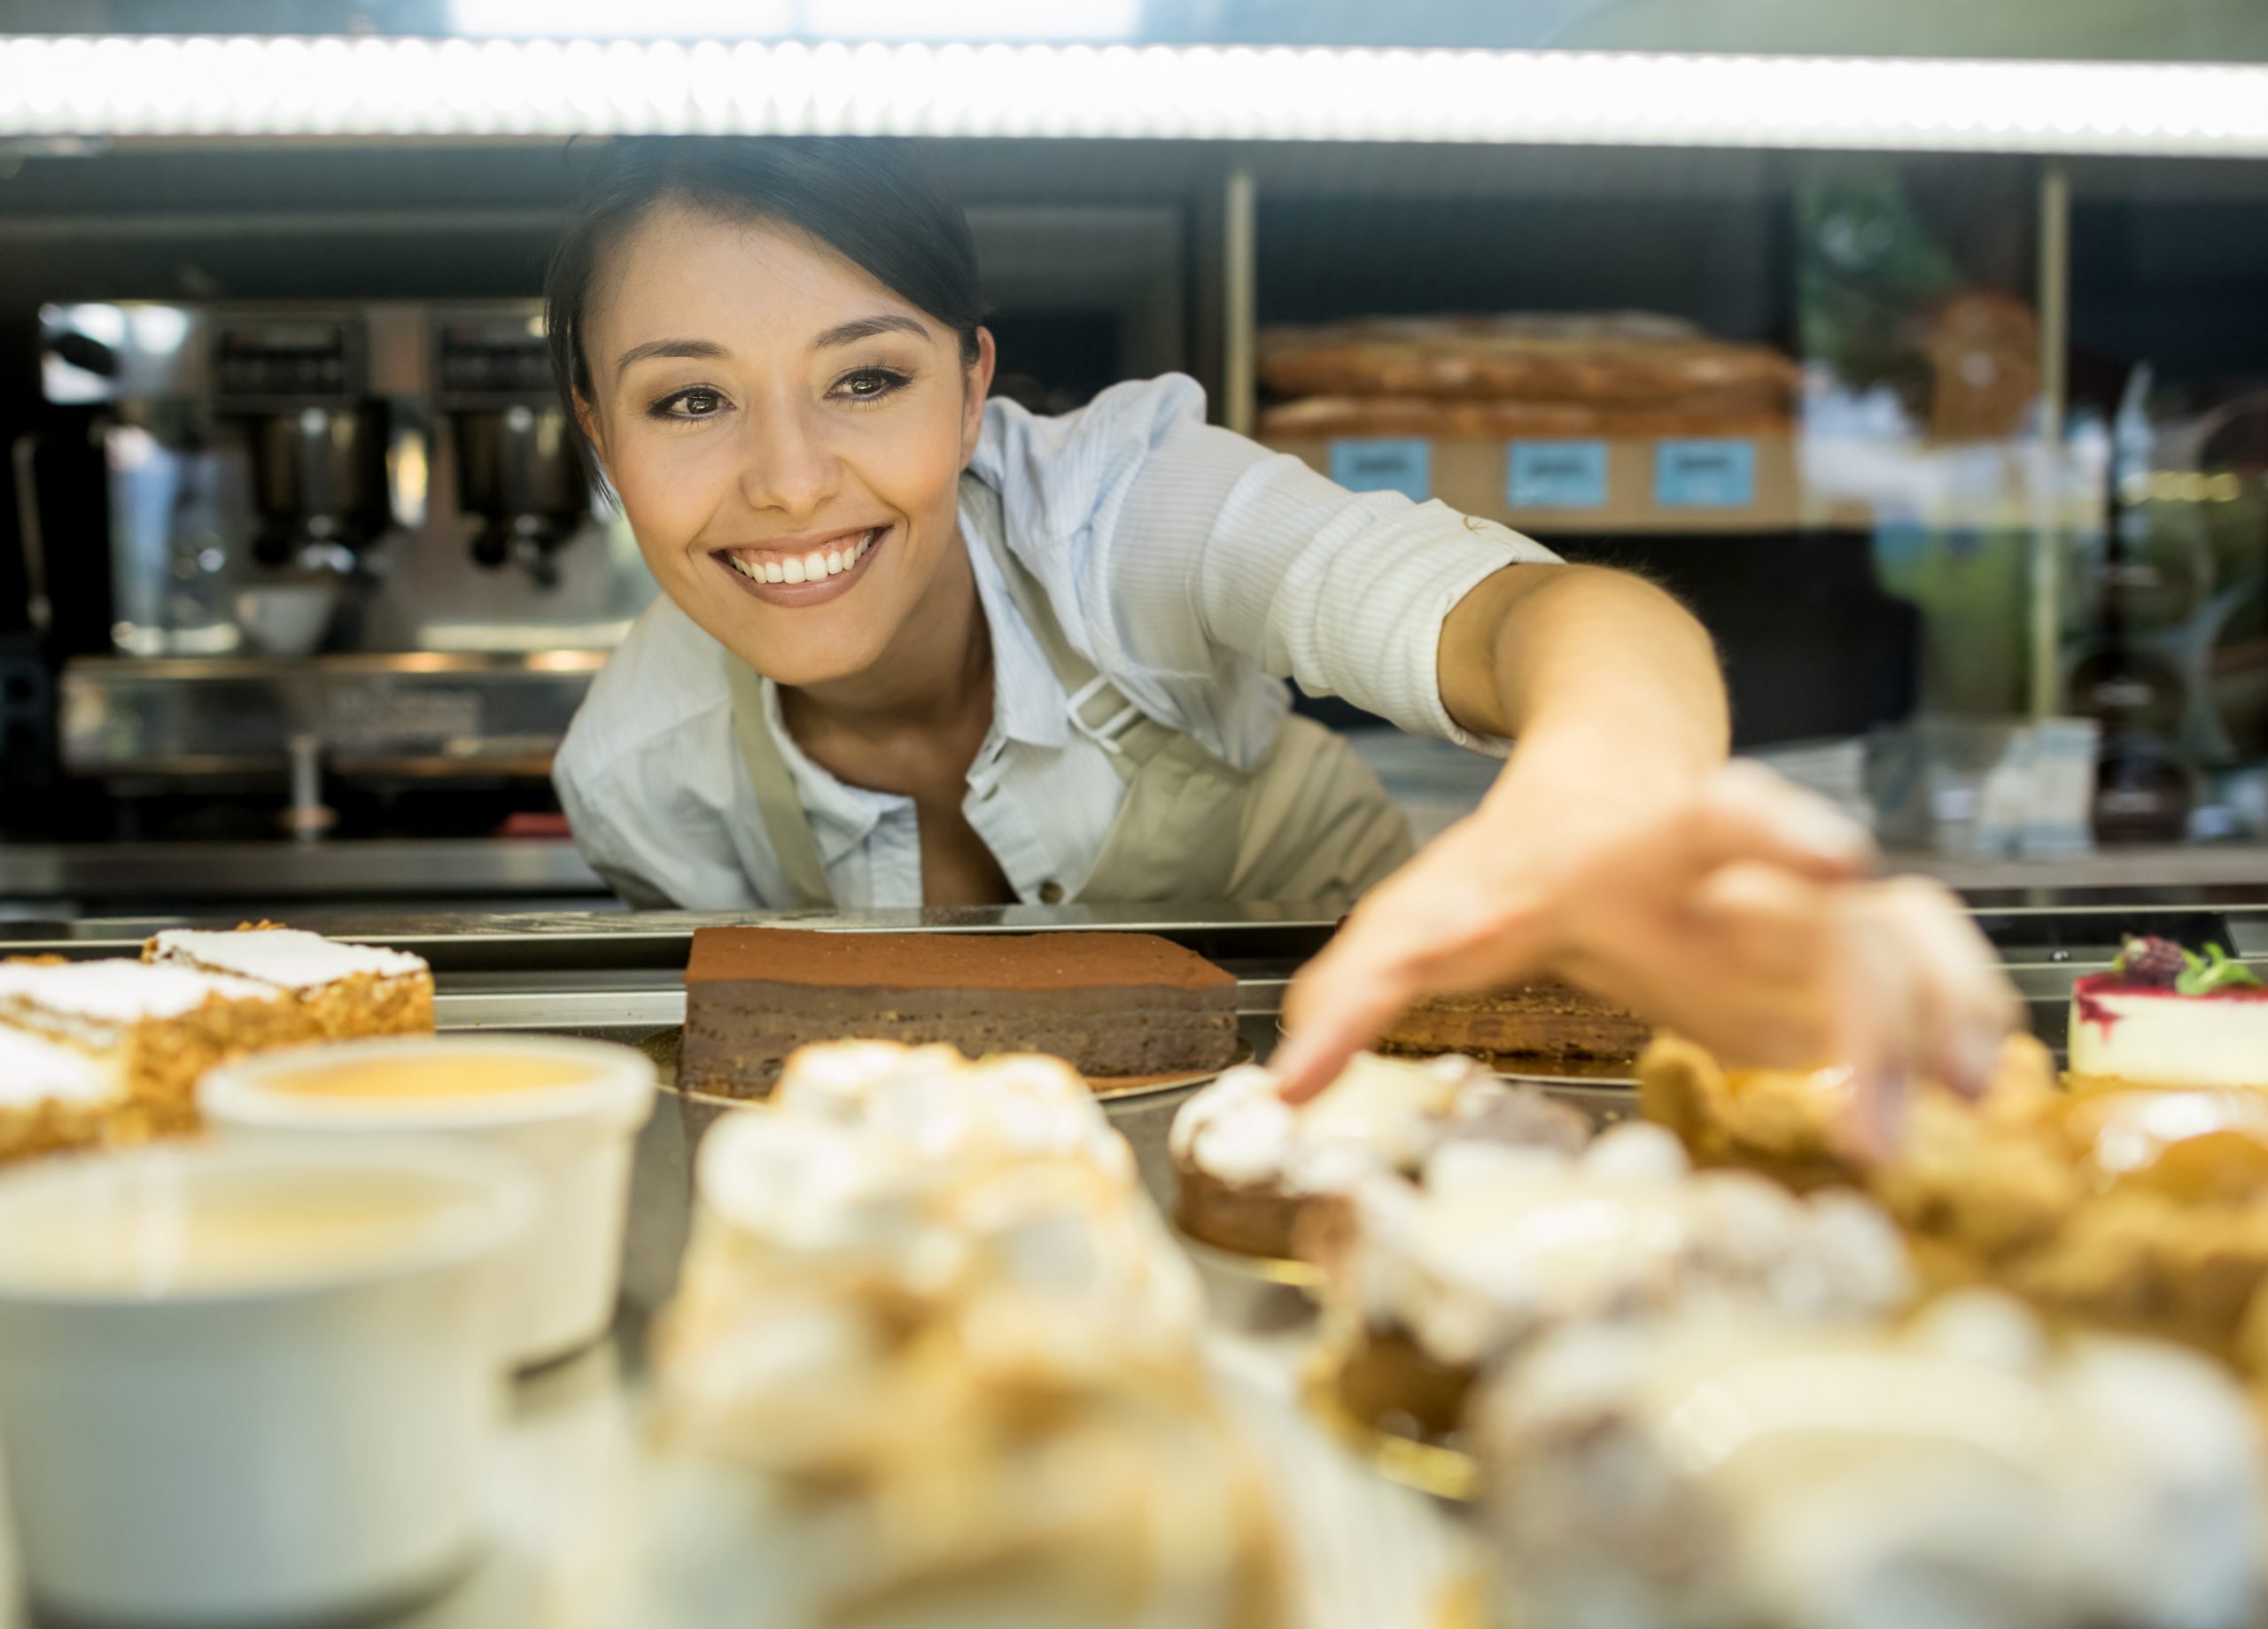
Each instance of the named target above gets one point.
<point>33,1070</point>
<point>285,957</point>
<point>116,992</point>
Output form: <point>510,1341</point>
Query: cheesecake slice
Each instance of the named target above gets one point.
<point>1109,1004</point>
<point>2164,1016</point>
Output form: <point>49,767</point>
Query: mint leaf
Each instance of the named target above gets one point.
<point>2215,971</point>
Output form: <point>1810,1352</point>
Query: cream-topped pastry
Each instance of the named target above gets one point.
<point>1966,1472</point>
<point>845,1455</point>
<point>915,1168</point>
<point>1431,1284</point>
<point>93,1002</point>
<point>345,991</point>
<point>152,1030</point>
<point>33,1070</point>
<point>288,956</point>
<point>933,1360</point>
<point>2164,1016</point>
<point>1249,1164</point>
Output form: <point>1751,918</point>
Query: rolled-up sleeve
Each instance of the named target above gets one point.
<point>1188,550</point>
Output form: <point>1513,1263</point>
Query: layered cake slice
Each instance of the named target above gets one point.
<point>154,1029</point>
<point>1109,1004</point>
<point>1545,1022</point>
<point>54,1098</point>
<point>2164,1016</point>
<point>345,991</point>
<point>1255,1176</point>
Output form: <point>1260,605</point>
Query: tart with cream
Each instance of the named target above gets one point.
<point>1967,1471</point>
<point>2164,1016</point>
<point>1433,1285</point>
<point>1253,1172</point>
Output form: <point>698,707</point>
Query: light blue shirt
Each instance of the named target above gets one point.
<point>1195,569</point>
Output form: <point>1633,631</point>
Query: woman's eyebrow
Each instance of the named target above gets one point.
<point>701,348</point>
<point>866,328</point>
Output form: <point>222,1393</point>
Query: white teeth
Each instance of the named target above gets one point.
<point>744,568</point>
<point>774,572</point>
<point>793,571</point>
<point>814,566</point>
<point>834,561</point>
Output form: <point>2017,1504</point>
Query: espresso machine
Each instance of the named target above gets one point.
<point>348,542</point>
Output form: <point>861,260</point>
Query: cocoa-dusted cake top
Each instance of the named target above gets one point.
<point>946,961</point>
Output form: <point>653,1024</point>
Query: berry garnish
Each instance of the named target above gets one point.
<point>2158,963</point>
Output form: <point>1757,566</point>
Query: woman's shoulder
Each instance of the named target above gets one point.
<point>1063,466</point>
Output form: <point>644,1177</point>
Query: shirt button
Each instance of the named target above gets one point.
<point>1050,892</point>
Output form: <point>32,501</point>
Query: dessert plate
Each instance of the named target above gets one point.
<point>1138,1085</point>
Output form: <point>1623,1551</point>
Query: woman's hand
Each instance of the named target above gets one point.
<point>1732,908</point>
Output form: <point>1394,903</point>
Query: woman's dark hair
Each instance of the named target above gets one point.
<point>868,199</point>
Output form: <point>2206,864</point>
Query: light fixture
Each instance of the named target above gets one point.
<point>68,87</point>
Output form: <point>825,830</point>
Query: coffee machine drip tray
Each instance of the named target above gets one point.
<point>423,714</point>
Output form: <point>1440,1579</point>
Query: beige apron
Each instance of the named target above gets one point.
<point>1308,825</point>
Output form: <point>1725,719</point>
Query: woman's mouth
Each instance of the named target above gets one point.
<point>803,577</point>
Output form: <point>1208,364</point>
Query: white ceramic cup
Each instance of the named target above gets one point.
<point>295,1435</point>
<point>577,1138</point>
<point>286,619</point>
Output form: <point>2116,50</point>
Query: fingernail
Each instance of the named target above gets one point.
<point>1976,1056</point>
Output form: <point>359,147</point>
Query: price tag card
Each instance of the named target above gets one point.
<point>1556,475</point>
<point>1712,473</point>
<point>1383,466</point>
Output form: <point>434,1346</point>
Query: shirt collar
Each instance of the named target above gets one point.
<point>842,816</point>
<point>1027,704</point>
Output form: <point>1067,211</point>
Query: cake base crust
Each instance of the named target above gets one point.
<point>1262,1220</point>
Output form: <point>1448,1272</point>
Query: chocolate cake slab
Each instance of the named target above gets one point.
<point>1110,1004</point>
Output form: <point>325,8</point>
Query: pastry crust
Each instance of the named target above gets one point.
<point>2135,1209</point>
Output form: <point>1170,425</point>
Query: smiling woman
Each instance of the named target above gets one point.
<point>918,646</point>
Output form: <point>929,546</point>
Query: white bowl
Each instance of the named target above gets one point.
<point>577,1139</point>
<point>286,619</point>
<point>304,1433</point>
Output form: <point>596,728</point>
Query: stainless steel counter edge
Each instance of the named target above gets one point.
<point>485,867</point>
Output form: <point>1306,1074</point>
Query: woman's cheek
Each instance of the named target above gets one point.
<point>663,494</point>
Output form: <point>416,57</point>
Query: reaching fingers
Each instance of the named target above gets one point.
<point>1336,1007</point>
<point>1966,1006</point>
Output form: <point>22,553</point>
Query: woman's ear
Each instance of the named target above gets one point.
<point>976,384</point>
<point>594,438</point>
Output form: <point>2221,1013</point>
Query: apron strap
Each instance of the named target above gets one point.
<point>1099,710</point>
<point>785,823</point>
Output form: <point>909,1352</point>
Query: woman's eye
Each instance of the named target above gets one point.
<point>700,402</point>
<point>869,383</point>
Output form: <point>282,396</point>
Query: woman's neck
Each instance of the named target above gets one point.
<point>937,670</point>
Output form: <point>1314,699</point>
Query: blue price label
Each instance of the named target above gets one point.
<point>1370,466</point>
<point>1716,473</point>
<point>1556,475</point>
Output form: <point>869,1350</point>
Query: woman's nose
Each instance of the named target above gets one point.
<point>787,464</point>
